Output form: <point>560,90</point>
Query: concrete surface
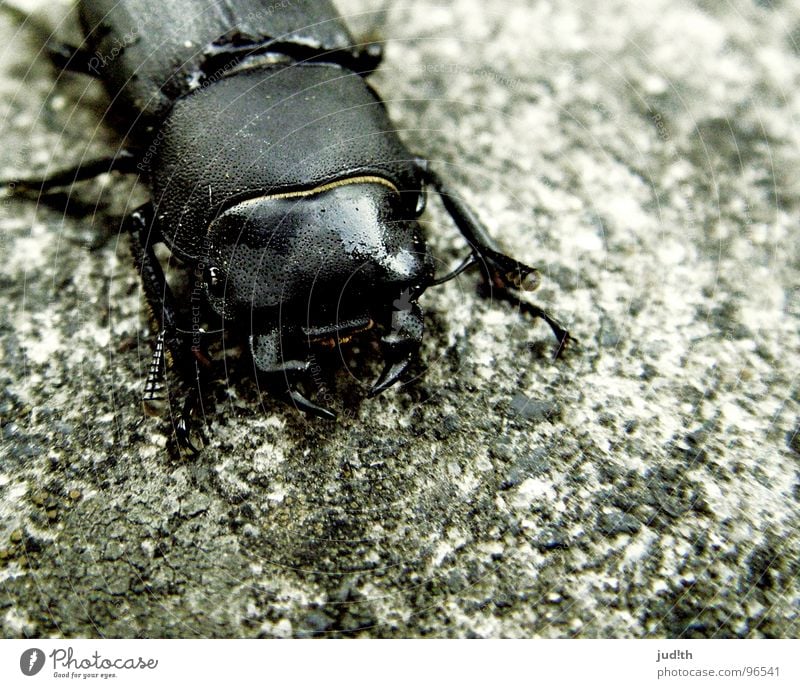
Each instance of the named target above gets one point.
<point>645,157</point>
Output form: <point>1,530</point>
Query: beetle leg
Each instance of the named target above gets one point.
<point>400,345</point>
<point>497,267</point>
<point>63,55</point>
<point>298,399</point>
<point>124,161</point>
<point>156,290</point>
<point>559,331</point>
<point>268,358</point>
<point>191,404</point>
<point>72,58</point>
<point>467,263</point>
<point>368,58</point>
<point>501,272</point>
<point>183,436</point>
<point>172,344</point>
<point>153,394</point>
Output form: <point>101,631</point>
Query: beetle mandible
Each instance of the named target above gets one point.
<point>276,178</point>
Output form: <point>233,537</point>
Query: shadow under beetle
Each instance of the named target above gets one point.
<point>277,179</point>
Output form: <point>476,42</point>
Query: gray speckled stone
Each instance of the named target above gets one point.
<point>644,156</point>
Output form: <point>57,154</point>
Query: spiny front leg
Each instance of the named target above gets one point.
<point>153,395</point>
<point>176,348</point>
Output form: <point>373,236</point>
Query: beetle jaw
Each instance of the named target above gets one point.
<point>286,359</point>
<point>400,345</point>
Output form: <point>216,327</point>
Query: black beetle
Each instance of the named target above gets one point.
<point>276,178</point>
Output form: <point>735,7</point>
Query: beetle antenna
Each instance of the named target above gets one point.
<point>467,263</point>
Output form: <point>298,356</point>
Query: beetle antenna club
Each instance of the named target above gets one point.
<point>277,179</point>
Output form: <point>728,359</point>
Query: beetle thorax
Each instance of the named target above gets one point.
<point>321,260</point>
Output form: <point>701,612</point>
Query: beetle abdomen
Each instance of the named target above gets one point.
<point>268,131</point>
<point>149,52</point>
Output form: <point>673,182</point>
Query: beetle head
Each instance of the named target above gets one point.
<point>314,267</point>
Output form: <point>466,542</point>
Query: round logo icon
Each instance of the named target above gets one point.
<point>31,661</point>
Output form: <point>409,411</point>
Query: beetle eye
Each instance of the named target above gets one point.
<point>214,282</point>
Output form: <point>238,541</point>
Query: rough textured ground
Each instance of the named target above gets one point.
<point>645,156</point>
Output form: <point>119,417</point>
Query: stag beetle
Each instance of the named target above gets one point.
<point>276,179</point>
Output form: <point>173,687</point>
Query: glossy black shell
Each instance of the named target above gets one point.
<point>270,131</point>
<point>150,52</point>
<point>213,128</point>
<point>335,256</point>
